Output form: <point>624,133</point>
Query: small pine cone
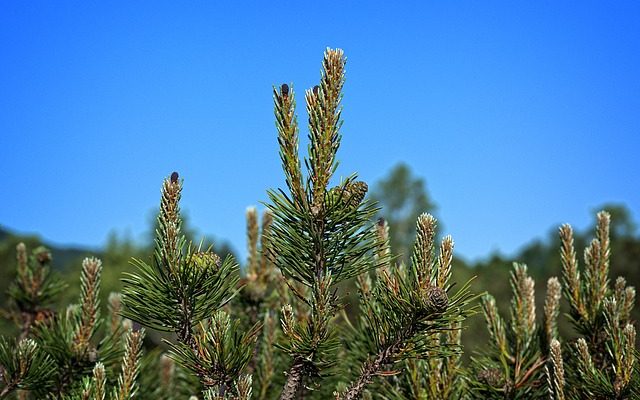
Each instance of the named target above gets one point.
<point>284,89</point>
<point>491,377</point>
<point>352,195</point>
<point>207,260</point>
<point>437,300</point>
<point>356,192</point>
<point>174,177</point>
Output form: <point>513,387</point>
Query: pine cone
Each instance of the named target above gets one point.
<point>437,300</point>
<point>491,377</point>
<point>207,260</point>
<point>352,195</point>
<point>355,192</point>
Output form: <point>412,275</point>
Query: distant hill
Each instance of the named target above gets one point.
<point>62,255</point>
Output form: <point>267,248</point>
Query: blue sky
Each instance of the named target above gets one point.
<point>519,115</point>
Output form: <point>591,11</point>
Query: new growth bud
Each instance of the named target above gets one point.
<point>288,319</point>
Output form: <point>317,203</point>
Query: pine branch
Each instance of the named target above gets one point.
<point>295,375</point>
<point>409,315</point>
<point>571,275</point>
<point>34,289</point>
<point>23,365</point>
<point>445,258</point>
<point>555,374</point>
<point>252,244</point>
<point>323,107</point>
<point>372,368</point>
<point>267,254</point>
<point>127,385</point>
<point>99,382</point>
<point>523,307</point>
<point>181,291</point>
<point>496,326</point>
<point>89,302</point>
<point>287,124</point>
<point>221,352</point>
<point>515,365</point>
<point>243,387</point>
<point>424,250</point>
<point>552,309</point>
<point>382,253</point>
<point>319,235</point>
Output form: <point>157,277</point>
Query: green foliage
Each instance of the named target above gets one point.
<point>180,292</point>
<point>72,354</point>
<point>23,365</point>
<point>606,354</point>
<point>528,361</point>
<point>222,348</point>
<point>408,321</point>
<point>34,288</point>
<point>320,236</point>
<point>514,365</point>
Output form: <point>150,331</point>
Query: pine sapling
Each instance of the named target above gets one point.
<point>183,291</point>
<point>319,234</point>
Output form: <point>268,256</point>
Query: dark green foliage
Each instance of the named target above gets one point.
<point>182,285</point>
<point>23,365</point>
<point>514,365</point>
<point>606,350</point>
<point>62,351</point>
<point>34,289</point>
<point>408,321</point>
<point>182,291</point>
<point>319,236</point>
<point>527,361</point>
<point>223,348</point>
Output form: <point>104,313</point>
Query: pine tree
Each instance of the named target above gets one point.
<point>73,354</point>
<point>526,361</point>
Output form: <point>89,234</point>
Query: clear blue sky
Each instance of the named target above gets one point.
<point>519,115</point>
